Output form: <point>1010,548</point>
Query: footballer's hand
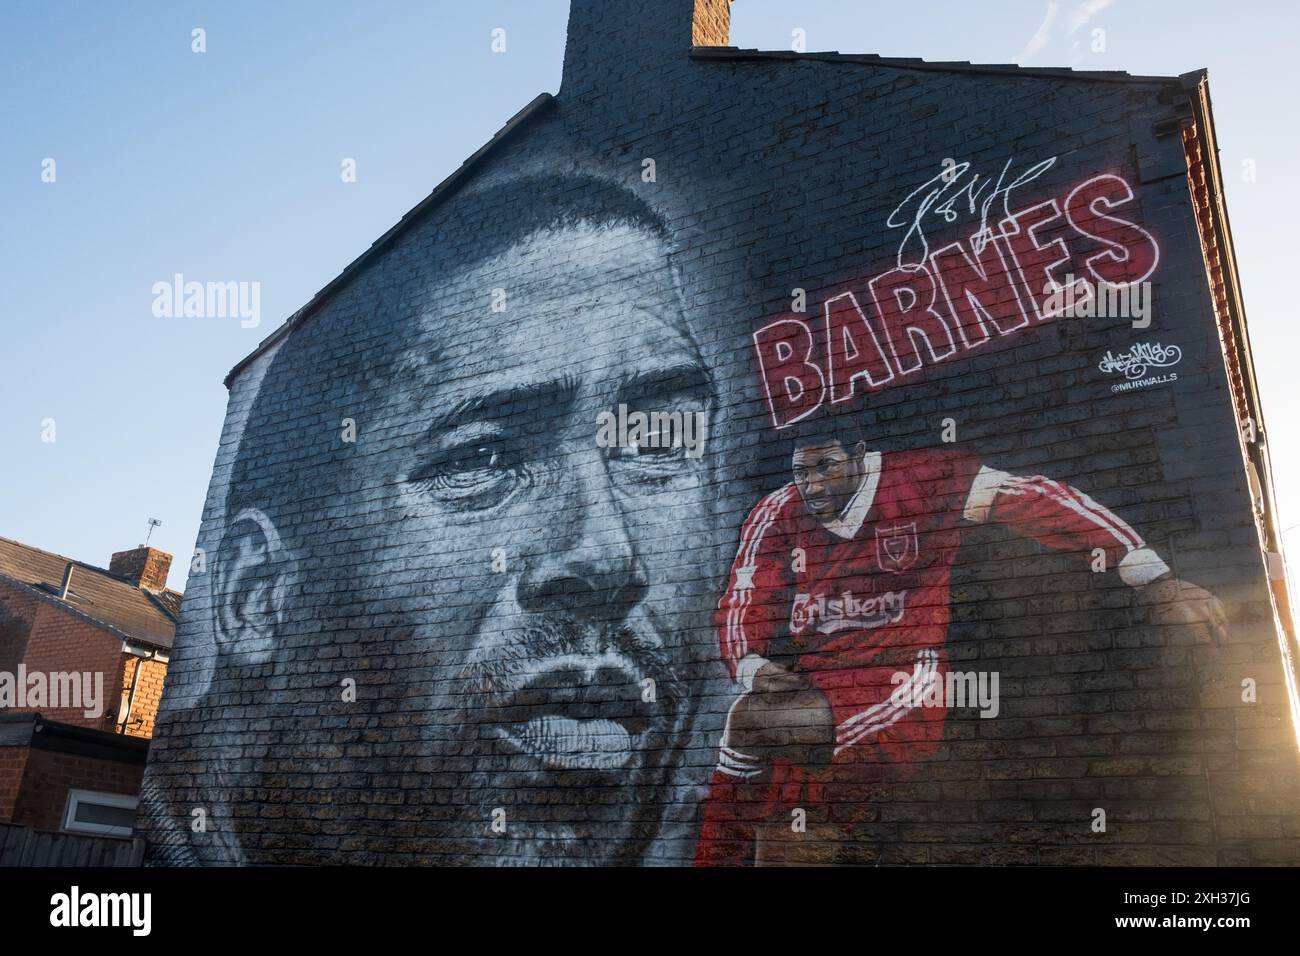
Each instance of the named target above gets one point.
<point>1173,602</point>
<point>773,678</point>
<point>784,717</point>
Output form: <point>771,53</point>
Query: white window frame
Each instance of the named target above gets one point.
<point>71,824</point>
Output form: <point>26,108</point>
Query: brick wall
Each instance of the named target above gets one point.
<point>441,652</point>
<point>48,776</point>
<point>17,611</point>
<point>61,643</point>
<point>712,23</point>
<point>43,638</point>
<point>147,677</point>
<point>13,763</point>
<point>143,566</point>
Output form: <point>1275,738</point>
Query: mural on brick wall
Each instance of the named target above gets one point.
<point>526,706</point>
<point>835,620</point>
<point>524,558</point>
<point>935,305</point>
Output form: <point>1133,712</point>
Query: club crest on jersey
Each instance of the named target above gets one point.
<point>896,547</point>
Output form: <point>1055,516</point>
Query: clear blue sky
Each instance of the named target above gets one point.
<point>226,166</point>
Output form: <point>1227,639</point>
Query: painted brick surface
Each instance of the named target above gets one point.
<point>441,623</point>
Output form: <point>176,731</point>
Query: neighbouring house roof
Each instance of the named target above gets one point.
<point>106,600</point>
<point>40,733</point>
<point>170,600</point>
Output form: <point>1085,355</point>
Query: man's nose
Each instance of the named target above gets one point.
<point>588,565</point>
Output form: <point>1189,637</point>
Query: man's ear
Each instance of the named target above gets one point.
<point>859,449</point>
<point>254,574</point>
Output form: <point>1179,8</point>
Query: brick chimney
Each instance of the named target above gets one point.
<point>611,40</point>
<point>144,567</point>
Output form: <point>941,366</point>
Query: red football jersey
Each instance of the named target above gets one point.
<point>877,580</point>
<point>863,605</point>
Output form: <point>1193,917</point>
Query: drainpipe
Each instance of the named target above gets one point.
<point>135,679</point>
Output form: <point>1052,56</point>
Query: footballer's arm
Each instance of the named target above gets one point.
<point>1063,518</point>
<point>779,713</point>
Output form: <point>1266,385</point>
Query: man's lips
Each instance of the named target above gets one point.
<point>563,743</point>
<point>580,713</point>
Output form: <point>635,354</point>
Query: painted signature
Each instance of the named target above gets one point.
<point>1135,362</point>
<point>947,194</point>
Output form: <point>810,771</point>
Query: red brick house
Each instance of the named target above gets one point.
<point>83,654</point>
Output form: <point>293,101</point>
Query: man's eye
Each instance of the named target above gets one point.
<point>475,474</point>
<point>653,445</point>
<point>482,458</point>
<point>653,449</point>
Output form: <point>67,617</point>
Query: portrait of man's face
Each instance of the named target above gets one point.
<point>827,475</point>
<point>555,618</point>
<point>525,619</point>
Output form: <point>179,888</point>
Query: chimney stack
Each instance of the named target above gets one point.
<point>612,43</point>
<point>711,23</point>
<point>145,567</point>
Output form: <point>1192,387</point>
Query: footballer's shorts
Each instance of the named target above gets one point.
<point>888,721</point>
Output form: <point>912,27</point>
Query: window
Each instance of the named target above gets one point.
<point>103,814</point>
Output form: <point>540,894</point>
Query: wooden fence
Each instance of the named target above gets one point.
<point>23,846</point>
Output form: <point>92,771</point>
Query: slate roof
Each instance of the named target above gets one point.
<point>106,600</point>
